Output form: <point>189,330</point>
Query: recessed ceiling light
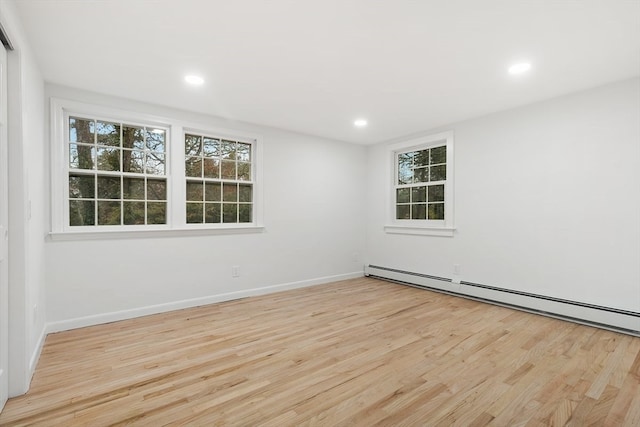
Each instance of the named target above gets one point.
<point>192,79</point>
<point>519,68</point>
<point>360,123</point>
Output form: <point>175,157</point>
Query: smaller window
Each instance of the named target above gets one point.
<point>422,186</point>
<point>421,177</point>
<point>219,184</point>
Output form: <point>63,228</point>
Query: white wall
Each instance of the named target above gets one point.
<point>27,203</point>
<point>314,205</point>
<point>547,201</point>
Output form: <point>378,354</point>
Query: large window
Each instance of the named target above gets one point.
<point>422,186</point>
<point>219,183</point>
<point>120,173</point>
<point>117,173</point>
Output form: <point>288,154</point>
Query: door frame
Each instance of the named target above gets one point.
<point>4,244</point>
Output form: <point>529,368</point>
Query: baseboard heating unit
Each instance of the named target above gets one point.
<point>624,321</point>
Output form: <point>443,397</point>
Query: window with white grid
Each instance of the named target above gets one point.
<point>116,173</point>
<point>421,186</point>
<point>422,175</point>
<point>219,180</point>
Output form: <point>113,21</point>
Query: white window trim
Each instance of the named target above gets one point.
<point>444,228</point>
<point>175,175</point>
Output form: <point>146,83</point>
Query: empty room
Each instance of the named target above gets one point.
<point>320,213</point>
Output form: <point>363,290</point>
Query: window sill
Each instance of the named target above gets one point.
<point>420,230</point>
<point>143,234</point>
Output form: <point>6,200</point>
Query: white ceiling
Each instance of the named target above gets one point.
<point>314,66</point>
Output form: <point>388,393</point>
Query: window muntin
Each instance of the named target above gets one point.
<point>116,173</point>
<point>420,179</point>
<point>219,180</point>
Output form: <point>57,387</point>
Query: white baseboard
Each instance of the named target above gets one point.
<point>599,316</point>
<point>33,361</point>
<point>81,322</point>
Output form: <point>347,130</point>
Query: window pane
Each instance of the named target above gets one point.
<point>81,156</point>
<point>403,211</point>
<point>421,175</point>
<point>133,161</point>
<point>133,137</point>
<point>439,155</point>
<point>419,211</point>
<point>156,189</point>
<point>405,176</point>
<point>81,212</point>
<point>194,191</point>
<point>155,163</point>
<point>228,169</point>
<point>436,193</point>
<point>245,212</point>
<point>245,193</point>
<point>74,161</point>
<point>212,147</point>
<point>403,195</point>
<point>108,188</point>
<point>81,130</point>
<point>133,188</point>
<point>133,213</point>
<point>229,212</point>
<point>108,213</point>
<point>421,158</point>
<point>229,192</point>
<point>229,150</point>
<point>243,152</point>
<point>108,159</point>
<point>156,213</point>
<point>108,133</point>
<point>405,168</point>
<point>156,139</point>
<point>193,167</point>
<point>212,192</point>
<point>211,168</point>
<point>192,145</point>
<point>438,173</point>
<point>436,210</point>
<point>194,213</point>
<point>82,186</point>
<point>419,194</point>
<point>244,171</point>
<point>406,159</point>
<point>213,213</point>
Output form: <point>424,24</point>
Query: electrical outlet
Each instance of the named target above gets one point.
<point>355,257</point>
<point>235,271</point>
<point>456,273</point>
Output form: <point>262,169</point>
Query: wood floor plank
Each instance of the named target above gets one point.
<point>361,352</point>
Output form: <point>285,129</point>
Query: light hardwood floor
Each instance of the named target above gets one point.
<point>360,352</point>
